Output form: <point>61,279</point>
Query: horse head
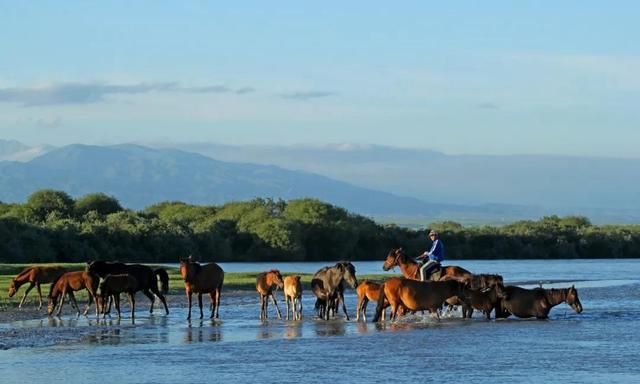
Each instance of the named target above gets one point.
<point>393,259</point>
<point>348,272</point>
<point>573,300</point>
<point>53,301</point>
<point>95,267</point>
<point>188,268</point>
<point>275,278</point>
<point>12,287</point>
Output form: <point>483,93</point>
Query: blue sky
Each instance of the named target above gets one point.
<point>483,77</point>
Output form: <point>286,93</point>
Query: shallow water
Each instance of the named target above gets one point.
<point>601,344</point>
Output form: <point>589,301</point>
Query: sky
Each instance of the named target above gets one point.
<point>478,77</point>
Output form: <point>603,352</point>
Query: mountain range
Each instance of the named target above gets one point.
<point>140,176</point>
<point>372,180</point>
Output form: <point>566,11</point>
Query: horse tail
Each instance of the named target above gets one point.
<point>380,306</point>
<point>164,279</point>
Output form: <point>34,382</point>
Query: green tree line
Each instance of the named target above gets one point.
<point>51,226</point>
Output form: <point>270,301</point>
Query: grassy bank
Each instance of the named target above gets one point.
<point>233,281</point>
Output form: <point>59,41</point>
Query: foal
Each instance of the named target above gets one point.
<point>67,284</point>
<point>293,293</point>
<point>35,276</point>
<point>265,283</point>
<point>367,290</point>
<point>112,286</point>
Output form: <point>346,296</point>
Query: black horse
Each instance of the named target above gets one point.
<point>146,277</point>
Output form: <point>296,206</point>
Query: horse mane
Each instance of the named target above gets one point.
<point>24,271</point>
<point>196,266</point>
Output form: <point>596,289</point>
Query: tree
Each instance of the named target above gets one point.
<point>98,202</point>
<point>46,201</point>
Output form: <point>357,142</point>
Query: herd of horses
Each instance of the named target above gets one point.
<point>448,287</point>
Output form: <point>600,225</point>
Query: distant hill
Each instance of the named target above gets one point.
<point>140,176</point>
<point>12,150</point>
<point>606,189</point>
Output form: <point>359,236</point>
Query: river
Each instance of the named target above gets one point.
<point>601,344</point>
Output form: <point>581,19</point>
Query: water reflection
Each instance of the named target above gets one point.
<point>264,331</point>
<point>201,331</point>
<point>293,330</point>
<point>107,336</point>
<point>330,328</point>
<point>362,327</point>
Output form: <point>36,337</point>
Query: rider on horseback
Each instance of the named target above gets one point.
<point>435,255</point>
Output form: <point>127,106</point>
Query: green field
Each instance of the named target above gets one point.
<point>233,281</point>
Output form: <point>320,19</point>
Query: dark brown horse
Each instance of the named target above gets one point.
<point>411,269</point>
<point>202,279</point>
<point>144,275</point>
<point>35,276</point>
<point>481,282</point>
<point>538,302</point>
<point>416,295</point>
<point>112,286</point>
<point>265,284</point>
<point>485,300</point>
<point>69,283</point>
<point>328,284</point>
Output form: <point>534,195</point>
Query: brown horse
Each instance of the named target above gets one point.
<point>416,295</point>
<point>538,302</point>
<point>368,290</point>
<point>112,286</point>
<point>202,279</point>
<point>411,269</point>
<point>293,293</point>
<point>69,283</point>
<point>265,284</point>
<point>34,275</point>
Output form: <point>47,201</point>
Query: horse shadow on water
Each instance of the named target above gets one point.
<point>200,333</point>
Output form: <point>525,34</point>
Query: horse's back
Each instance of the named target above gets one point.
<point>524,302</point>
<point>292,286</point>
<point>418,295</point>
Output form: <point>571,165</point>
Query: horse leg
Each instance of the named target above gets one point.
<point>218,293</point>
<point>344,305</point>
<point>62,296</point>
<point>359,308</point>
<point>132,303</point>
<point>300,301</point>
<point>286,306</point>
<point>74,302</point>
<point>200,303</point>
<point>86,310</point>
<point>212,303</point>
<point>189,301</point>
<point>273,297</point>
<point>365,303</point>
<point>162,299</point>
<point>24,297</point>
<point>39,294</point>
<point>117,302</point>
<point>151,297</point>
